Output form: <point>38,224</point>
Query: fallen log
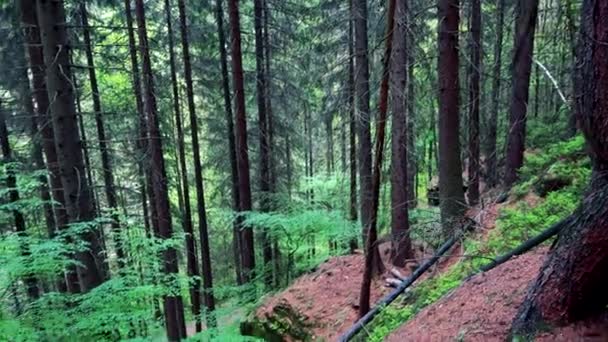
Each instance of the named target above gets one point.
<point>352,331</point>
<point>525,247</point>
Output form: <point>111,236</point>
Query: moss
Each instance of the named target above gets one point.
<point>284,321</point>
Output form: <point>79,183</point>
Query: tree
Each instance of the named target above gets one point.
<point>77,194</point>
<point>571,283</point>
<point>262,92</point>
<point>247,246</point>
<point>352,128</point>
<point>363,125</point>
<point>39,96</point>
<point>450,168</point>
<point>373,262</point>
<point>198,171</point>
<point>173,307</point>
<point>401,248</point>
<point>522,66</point>
<point>140,145</point>
<point>106,159</point>
<point>491,155</point>
<point>219,13</point>
<point>191,262</point>
<point>474,99</point>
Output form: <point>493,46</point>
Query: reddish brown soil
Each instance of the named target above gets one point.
<point>482,309</point>
<point>328,297</point>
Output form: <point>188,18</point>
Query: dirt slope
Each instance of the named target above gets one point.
<point>482,309</point>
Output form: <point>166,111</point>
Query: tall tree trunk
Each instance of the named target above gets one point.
<point>31,283</point>
<point>363,117</point>
<point>401,248</point>
<point>261,89</point>
<point>209,299</point>
<point>352,127</point>
<point>219,13</point>
<point>571,28</point>
<point>412,154</point>
<point>142,135</point>
<point>474,100</point>
<point>522,65</point>
<point>174,311</point>
<point>35,59</point>
<point>571,284</point>
<point>373,262</point>
<point>68,145</point>
<point>191,262</point>
<point>247,246</point>
<point>492,153</point>
<point>451,194</point>
<point>106,160</point>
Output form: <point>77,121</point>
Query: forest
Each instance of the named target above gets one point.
<point>269,170</point>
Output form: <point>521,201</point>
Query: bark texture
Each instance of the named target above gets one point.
<point>247,246</point>
<point>571,284</point>
<point>451,194</point>
<point>525,25</point>
<point>401,248</point>
<point>474,100</point>
<point>76,191</point>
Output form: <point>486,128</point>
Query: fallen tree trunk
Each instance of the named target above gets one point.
<point>526,246</point>
<point>400,289</point>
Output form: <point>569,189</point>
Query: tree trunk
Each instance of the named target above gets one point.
<point>492,154</point>
<point>412,154</point>
<point>363,117</point>
<point>352,123</point>
<point>571,284</point>
<point>35,59</point>
<point>230,133</point>
<point>451,194</point>
<point>522,65</point>
<point>191,262</point>
<point>401,248</point>
<point>209,299</point>
<point>373,262</point>
<point>247,246</point>
<point>474,95</point>
<point>174,311</point>
<point>30,281</point>
<point>106,160</point>
<point>68,145</point>
<point>261,88</point>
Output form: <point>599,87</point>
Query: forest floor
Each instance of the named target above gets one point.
<point>483,307</point>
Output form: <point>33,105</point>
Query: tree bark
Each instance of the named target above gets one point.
<point>373,262</point>
<point>191,262</point>
<point>401,246</point>
<point>522,65</point>
<point>571,283</point>
<point>247,245</point>
<point>363,117</point>
<point>492,154</point>
<point>474,100</point>
<point>412,154</point>
<point>174,311</point>
<point>68,145</point>
<point>451,194</point>
<point>261,88</point>
<point>352,125</point>
<point>230,133</point>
